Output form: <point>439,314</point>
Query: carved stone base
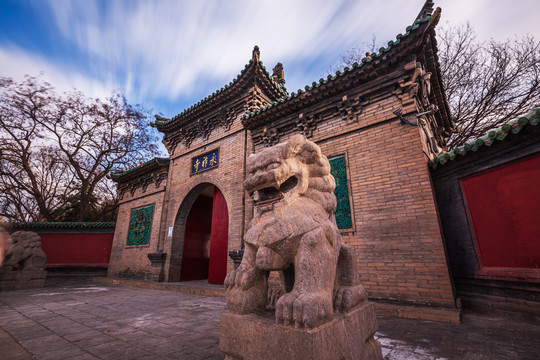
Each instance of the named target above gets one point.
<point>22,280</point>
<point>348,336</point>
<point>157,260</point>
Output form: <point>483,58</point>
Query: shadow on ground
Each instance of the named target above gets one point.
<point>73,317</point>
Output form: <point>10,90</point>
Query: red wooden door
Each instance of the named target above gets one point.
<point>219,239</point>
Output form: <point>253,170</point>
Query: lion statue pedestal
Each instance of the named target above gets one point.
<point>321,309</point>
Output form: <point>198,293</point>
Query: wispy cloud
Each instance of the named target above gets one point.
<point>175,48</point>
<point>167,54</point>
<point>17,63</point>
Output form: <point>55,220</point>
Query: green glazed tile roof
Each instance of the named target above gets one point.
<point>253,63</point>
<point>498,134</point>
<point>142,168</point>
<point>62,225</point>
<point>432,19</point>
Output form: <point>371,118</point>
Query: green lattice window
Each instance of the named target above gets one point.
<point>343,212</point>
<point>140,226</point>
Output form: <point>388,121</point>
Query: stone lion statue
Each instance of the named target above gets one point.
<point>294,232</point>
<point>24,265</point>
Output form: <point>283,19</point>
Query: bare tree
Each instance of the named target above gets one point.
<point>355,54</point>
<point>487,83</point>
<point>56,151</point>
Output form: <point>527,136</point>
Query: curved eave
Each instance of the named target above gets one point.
<point>146,168</point>
<point>443,116</point>
<point>253,72</point>
<point>365,70</point>
<point>493,136</point>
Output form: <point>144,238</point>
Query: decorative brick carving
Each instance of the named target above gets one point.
<point>270,137</point>
<point>350,108</point>
<point>187,136</point>
<point>256,101</point>
<point>204,127</point>
<point>143,183</point>
<point>122,190</point>
<point>307,124</point>
<point>159,178</point>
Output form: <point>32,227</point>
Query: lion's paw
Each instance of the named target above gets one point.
<point>242,277</point>
<point>246,290</point>
<point>347,297</point>
<point>306,310</point>
<point>274,294</point>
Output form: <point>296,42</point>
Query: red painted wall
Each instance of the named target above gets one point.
<point>504,204</point>
<point>77,249</point>
<point>196,252</point>
<point>220,238</point>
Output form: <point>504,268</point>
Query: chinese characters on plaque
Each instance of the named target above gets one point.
<point>205,162</point>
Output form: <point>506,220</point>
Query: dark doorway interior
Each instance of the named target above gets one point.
<point>204,253</point>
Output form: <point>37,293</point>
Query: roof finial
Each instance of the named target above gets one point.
<point>436,16</point>
<point>278,75</point>
<point>256,54</point>
<point>427,9</point>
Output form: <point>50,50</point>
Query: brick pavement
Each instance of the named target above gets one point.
<point>84,320</point>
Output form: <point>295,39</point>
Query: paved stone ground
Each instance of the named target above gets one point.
<point>82,320</point>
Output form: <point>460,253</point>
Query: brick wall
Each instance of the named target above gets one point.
<point>395,230</point>
<point>184,189</point>
<point>396,233</point>
<point>132,261</point>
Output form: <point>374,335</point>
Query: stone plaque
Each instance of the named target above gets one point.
<point>205,162</point>
<point>140,226</point>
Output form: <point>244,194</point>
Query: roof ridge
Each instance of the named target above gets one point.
<point>118,173</point>
<point>499,133</point>
<point>433,19</point>
<point>254,60</point>
<point>62,224</point>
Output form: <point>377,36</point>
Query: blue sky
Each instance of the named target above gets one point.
<point>167,55</point>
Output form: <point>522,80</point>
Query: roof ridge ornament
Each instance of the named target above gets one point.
<point>278,75</point>
<point>436,16</point>
<point>426,10</point>
<point>256,54</point>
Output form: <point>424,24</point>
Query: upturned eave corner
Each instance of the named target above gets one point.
<point>253,74</point>
<point>361,72</point>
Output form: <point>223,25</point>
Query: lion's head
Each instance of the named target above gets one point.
<point>285,172</point>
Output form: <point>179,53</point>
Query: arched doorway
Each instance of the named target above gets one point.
<point>205,236</point>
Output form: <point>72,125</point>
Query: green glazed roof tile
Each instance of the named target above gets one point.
<point>279,87</point>
<point>61,225</point>
<point>391,44</point>
<point>499,134</point>
<point>155,161</point>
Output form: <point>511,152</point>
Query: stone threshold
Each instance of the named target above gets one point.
<point>514,308</point>
<point>419,312</point>
<point>196,287</point>
<point>201,287</point>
